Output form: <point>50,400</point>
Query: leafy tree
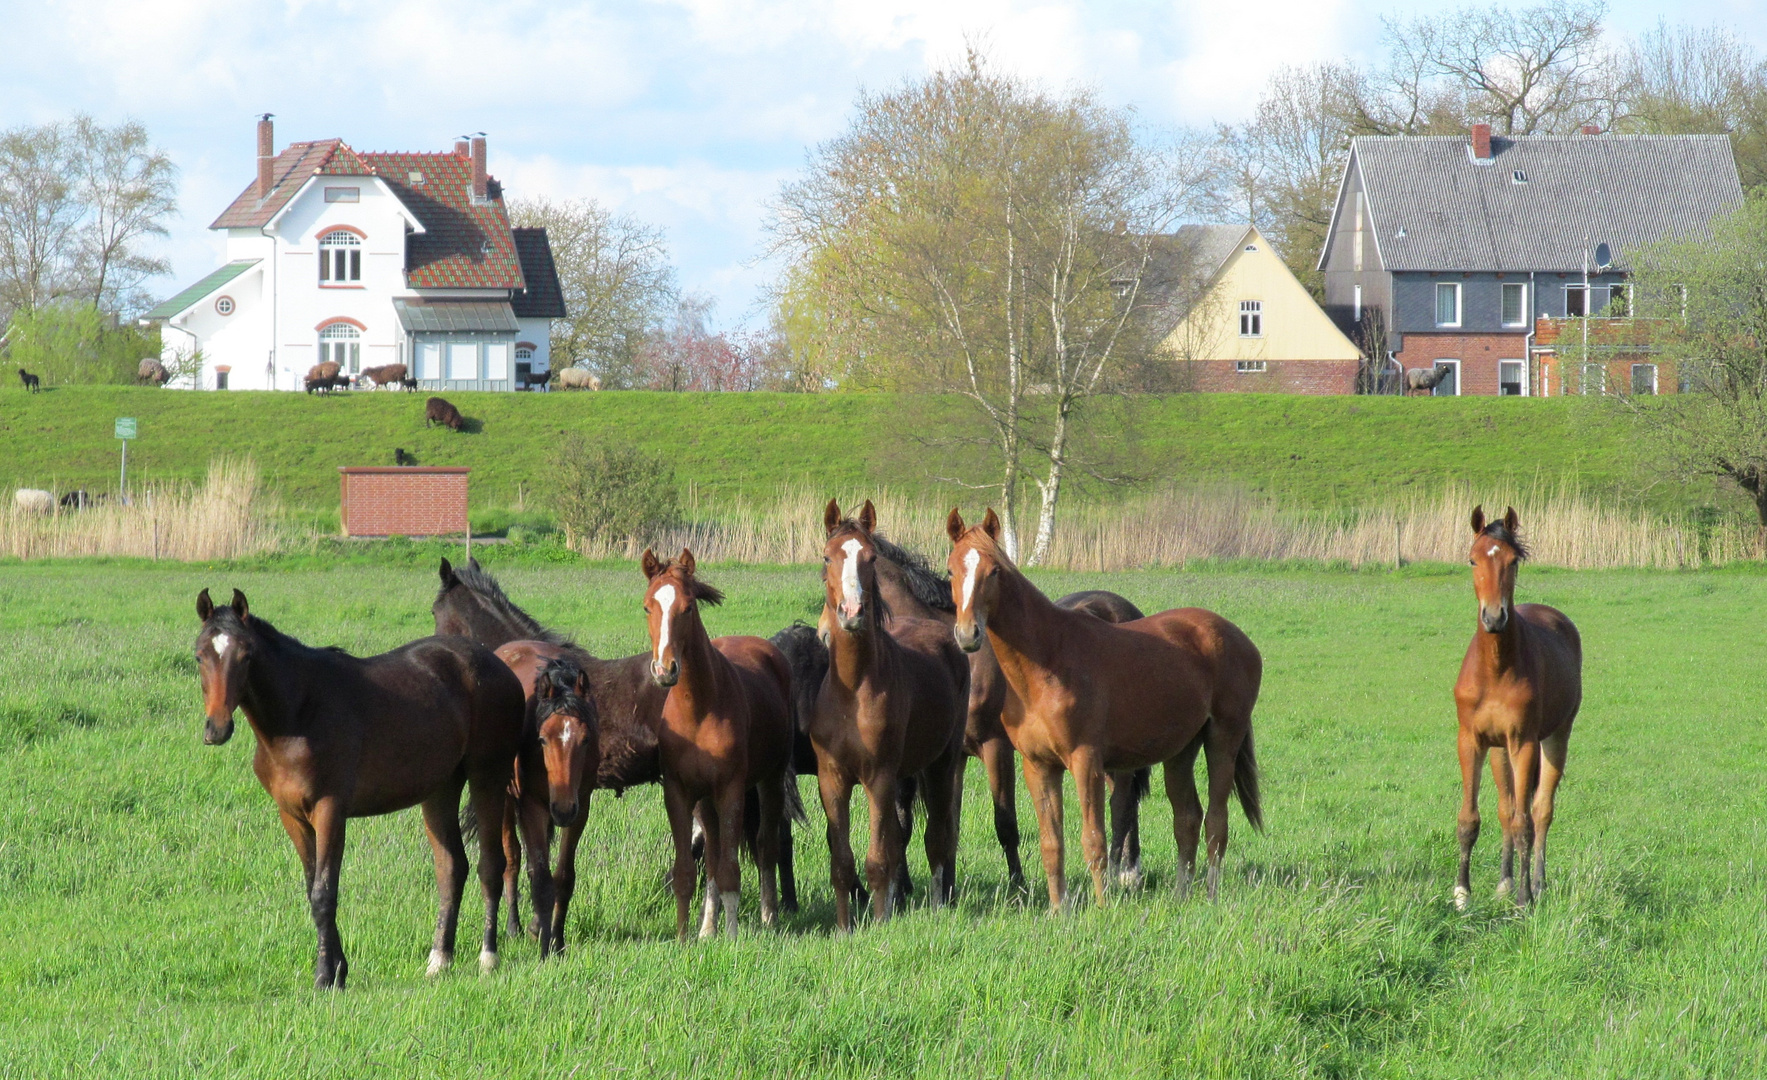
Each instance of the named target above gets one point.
<point>71,342</point>
<point>619,287</point>
<point>604,492</point>
<point>1698,81</point>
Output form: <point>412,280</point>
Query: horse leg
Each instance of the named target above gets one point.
<point>1524,758</point>
<point>887,851</point>
<point>728,837</point>
<point>906,786</point>
<point>680,810</point>
<point>706,814</point>
<point>1044,782</point>
<point>996,758</point>
<point>1124,857</point>
<point>1221,749</point>
<point>489,794</point>
<point>1088,768</point>
<point>788,873</point>
<point>535,818</point>
<point>837,794</point>
<point>767,842</point>
<point>1187,813</point>
<point>301,833</point>
<point>441,821</point>
<point>1552,770</point>
<point>564,876</point>
<point>1472,756</point>
<point>331,969</point>
<point>1504,777</point>
<point>512,862</point>
<point>943,784</point>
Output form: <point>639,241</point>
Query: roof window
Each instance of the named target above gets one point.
<point>414,177</point>
<point>1518,177</point>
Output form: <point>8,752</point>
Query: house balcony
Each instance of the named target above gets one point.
<point>1602,355</point>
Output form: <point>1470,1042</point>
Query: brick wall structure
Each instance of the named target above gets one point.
<point>1279,377</point>
<point>1478,355</point>
<point>1621,358</point>
<point>407,501</point>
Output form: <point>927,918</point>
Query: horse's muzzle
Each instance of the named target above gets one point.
<point>215,732</point>
<point>665,677</point>
<point>1494,622</point>
<point>563,814</point>
<point>969,638</point>
<point>852,622</point>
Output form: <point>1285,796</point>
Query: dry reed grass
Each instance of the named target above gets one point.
<point>1174,527</point>
<point>223,518</point>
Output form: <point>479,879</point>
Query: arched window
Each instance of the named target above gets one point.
<point>340,258</point>
<point>341,343</point>
<point>523,354</point>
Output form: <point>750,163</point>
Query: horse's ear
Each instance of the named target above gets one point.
<point>472,564</point>
<point>447,572</point>
<point>868,517</point>
<point>1510,521</point>
<point>651,564</point>
<point>687,563</point>
<point>1478,519</point>
<point>204,606</point>
<point>831,516</point>
<point>954,525</point>
<point>240,607</point>
<point>991,524</point>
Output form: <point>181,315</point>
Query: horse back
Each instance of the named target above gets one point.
<point>1234,666</point>
<point>765,676</point>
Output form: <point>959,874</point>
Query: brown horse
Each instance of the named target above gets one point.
<point>726,727</point>
<point>893,704</point>
<point>1091,697</point>
<point>1518,693</point>
<point>342,737</point>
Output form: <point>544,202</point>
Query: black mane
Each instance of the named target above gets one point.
<point>928,585</point>
<point>1496,530</point>
<point>478,581</point>
<point>555,691</point>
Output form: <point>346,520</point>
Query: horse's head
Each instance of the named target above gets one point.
<point>457,608</point>
<point>1497,550</point>
<point>849,567</point>
<point>570,735</point>
<point>671,608</point>
<point>975,565</point>
<point>224,649</point>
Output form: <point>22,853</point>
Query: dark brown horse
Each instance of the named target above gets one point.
<point>726,728</point>
<point>893,704</point>
<point>1090,698</point>
<point>1518,693</point>
<point>342,737</point>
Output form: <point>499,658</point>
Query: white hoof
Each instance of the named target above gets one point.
<point>487,962</point>
<point>439,962</point>
<point>1130,877</point>
<point>1462,898</point>
<point>1505,887</point>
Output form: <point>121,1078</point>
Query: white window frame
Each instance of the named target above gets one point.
<point>1250,367</point>
<point>1458,311</point>
<point>340,260</point>
<point>1583,379</point>
<point>1653,378</point>
<point>1254,311</point>
<point>1524,382</point>
<point>1436,391</point>
<point>1521,287</point>
<point>342,342</point>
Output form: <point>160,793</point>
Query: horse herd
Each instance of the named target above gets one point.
<point>907,674</point>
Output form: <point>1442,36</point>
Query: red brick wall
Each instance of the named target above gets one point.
<point>1478,355</point>
<point>1280,377</point>
<point>403,501</point>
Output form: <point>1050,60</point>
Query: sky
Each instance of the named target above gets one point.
<point>686,113</point>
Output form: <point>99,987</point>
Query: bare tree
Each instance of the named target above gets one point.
<point>619,287</point>
<point>40,215</point>
<point>1692,81</point>
<point>129,189</point>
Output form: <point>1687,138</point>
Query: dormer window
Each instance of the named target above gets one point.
<point>1518,177</point>
<point>340,258</point>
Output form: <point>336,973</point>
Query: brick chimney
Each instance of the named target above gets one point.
<point>481,185</point>
<point>1591,129</point>
<point>1481,141</point>
<point>266,156</point>
<point>462,148</point>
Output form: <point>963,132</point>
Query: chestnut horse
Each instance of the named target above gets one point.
<point>342,737</point>
<point>1092,697</point>
<point>726,727</point>
<point>1520,686</point>
<point>893,704</point>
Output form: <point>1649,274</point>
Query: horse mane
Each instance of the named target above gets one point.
<point>703,591</point>
<point>1497,530</point>
<point>559,675</point>
<point>478,581</point>
<point>229,621</point>
<point>807,658</point>
<point>928,585</point>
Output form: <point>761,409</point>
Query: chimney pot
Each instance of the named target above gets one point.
<point>1481,141</point>
<point>1591,129</point>
<point>266,156</point>
<point>480,178</point>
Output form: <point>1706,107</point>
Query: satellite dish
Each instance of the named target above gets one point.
<point>1604,257</point>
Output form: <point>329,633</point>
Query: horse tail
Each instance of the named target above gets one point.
<point>1245,781</point>
<point>1141,783</point>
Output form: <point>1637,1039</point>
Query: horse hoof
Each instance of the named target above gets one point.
<point>1504,888</point>
<point>1131,878</point>
<point>487,962</point>
<point>1462,898</point>
<point>439,962</point>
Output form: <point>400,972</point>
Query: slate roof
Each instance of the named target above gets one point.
<point>542,299</point>
<point>1458,214</point>
<point>188,298</point>
<point>485,316</point>
<point>465,245</point>
<point>1183,266</point>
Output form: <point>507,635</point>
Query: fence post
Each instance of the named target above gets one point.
<point>1398,534</point>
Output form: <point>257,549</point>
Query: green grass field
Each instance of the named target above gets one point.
<point>1310,452</point>
<point>155,926</point>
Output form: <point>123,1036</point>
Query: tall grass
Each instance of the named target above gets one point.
<point>1172,528</point>
<point>224,517</point>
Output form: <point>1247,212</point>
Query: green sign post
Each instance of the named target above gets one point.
<point>125,432</point>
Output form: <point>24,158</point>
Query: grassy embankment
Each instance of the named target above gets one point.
<point>1309,453</point>
<point>152,901</point>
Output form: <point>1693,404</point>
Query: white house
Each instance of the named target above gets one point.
<point>369,259</point>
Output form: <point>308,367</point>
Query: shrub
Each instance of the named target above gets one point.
<point>68,343</point>
<point>604,493</point>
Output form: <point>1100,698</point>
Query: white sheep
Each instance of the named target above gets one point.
<point>33,501</point>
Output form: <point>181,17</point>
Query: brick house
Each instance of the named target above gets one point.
<point>1465,246</point>
<point>368,259</point>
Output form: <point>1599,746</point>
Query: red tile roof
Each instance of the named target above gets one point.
<point>465,245</point>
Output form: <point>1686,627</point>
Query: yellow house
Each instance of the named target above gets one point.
<point>1254,326</point>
